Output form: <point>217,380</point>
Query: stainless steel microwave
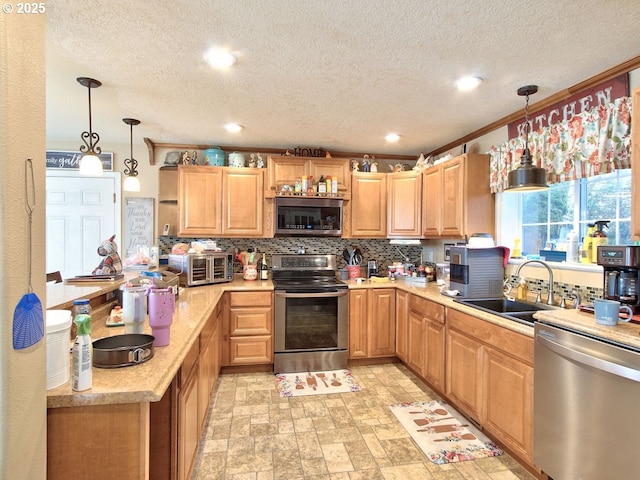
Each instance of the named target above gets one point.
<point>202,268</point>
<point>308,216</point>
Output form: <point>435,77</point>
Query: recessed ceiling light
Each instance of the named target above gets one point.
<point>392,137</point>
<point>233,127</point>
<point>218,58</point>
<point>465,84</point>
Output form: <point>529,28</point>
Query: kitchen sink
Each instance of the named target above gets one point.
<point>515,310</point>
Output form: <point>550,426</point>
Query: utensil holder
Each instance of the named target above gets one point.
<point>354,271</point>
<point>250,272</point>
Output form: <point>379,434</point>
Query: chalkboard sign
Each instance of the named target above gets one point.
<point>70,159</point>
<point>138,224</point>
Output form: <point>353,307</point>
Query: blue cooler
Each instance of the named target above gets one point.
<point>214,157</point>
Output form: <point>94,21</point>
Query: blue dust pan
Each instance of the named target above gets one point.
<point>28,322</point>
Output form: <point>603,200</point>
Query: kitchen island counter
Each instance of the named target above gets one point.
<point>148,381</point>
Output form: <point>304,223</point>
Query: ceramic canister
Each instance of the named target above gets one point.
<point>214,157</point>
<point>236,159</point>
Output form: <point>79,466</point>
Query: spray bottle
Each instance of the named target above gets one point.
<point>82,354</point>
<point>587,244</point>
<point>599,238</point>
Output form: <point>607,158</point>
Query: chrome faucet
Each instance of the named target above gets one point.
<point>550,300</point>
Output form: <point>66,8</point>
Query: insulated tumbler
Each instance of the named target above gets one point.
<point>161,307</point>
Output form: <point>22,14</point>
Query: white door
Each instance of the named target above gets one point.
<point>81,213</point>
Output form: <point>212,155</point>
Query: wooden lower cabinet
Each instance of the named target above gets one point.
<point>402,328</point>
<point>188,423</point>
<point>248,328</point>
<point>372,328</point>
<point>426,333</point>
<point>464,372</point>
<point>490,378</point>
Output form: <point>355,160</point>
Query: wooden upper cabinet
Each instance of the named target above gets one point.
<point>220,201</point>
<point>635,166</point>
<point>456,198</point>
<point>452,198</point>
<point>334,167</point>
<point>243,202</point>
<point>404,194</point>
<point>199,201</point>
<point>368,206</point>
<point>432,208</point>
<point>284,170</point>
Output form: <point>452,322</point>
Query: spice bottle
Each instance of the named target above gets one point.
<point>322,185</point>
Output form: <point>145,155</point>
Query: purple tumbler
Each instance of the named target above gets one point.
<point>161,307</point>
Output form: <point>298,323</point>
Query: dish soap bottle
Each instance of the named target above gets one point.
<point>82,354</point>
<point>523,290</point>
<point>599,238</point>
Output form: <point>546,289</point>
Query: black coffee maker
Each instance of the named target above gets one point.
<point>621,265</point>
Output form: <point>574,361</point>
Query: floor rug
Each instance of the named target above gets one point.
<point>315,383</point>
<point>442,433</point>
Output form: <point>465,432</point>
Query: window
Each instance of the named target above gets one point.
<point>545,218</point>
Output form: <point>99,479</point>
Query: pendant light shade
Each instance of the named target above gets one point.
<point>90,163</point>
<point>527,176</point>
<point>131,182</point>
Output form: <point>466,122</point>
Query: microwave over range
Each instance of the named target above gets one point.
<point>308,216</point>
<point>202,268</point>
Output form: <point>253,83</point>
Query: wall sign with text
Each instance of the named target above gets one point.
<point>70,159</point>
<point>601,94</point>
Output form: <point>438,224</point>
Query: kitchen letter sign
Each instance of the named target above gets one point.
<point>138,224</point>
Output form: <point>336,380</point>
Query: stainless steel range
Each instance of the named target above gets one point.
<point>311,314</point>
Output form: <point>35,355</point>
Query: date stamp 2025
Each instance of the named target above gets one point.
<point>30,8</point>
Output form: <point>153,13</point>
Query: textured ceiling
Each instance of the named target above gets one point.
<point>333,74</point>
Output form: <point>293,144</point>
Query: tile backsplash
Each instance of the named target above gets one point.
<point>372,249</point>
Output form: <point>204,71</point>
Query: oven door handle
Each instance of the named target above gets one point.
<point>595,362</point>
<point>339,293</point>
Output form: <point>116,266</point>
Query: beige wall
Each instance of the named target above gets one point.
<point>22,135</point>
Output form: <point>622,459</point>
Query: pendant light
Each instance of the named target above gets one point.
<point>131,182</point>
<point>90,163</point>
<point>527,176</point>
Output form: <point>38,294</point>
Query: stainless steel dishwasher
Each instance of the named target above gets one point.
<point>586,403</point>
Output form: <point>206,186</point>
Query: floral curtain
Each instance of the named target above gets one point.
<point>590,143</point>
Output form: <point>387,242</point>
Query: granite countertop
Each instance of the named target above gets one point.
<point>625,333</point>
<point>431,291</point>
<point>148,381</point>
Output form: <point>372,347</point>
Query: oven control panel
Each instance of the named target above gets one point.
<point>303,262</point>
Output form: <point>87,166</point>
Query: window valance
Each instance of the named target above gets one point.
<point>591,143</point>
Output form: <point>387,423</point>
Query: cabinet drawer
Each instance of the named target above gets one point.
<point>427,308</point>
<point>250,350</point>
<point>189,362</point>
<point>250,299</point>
<point>518,345</point>
<point>250,321</point>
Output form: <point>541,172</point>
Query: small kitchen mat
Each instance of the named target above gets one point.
<point>315,383</point>
<point>442,433</point>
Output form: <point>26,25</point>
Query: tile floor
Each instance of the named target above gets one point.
<point>254,434</point>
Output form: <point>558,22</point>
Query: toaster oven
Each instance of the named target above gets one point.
<point>202,268</point>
